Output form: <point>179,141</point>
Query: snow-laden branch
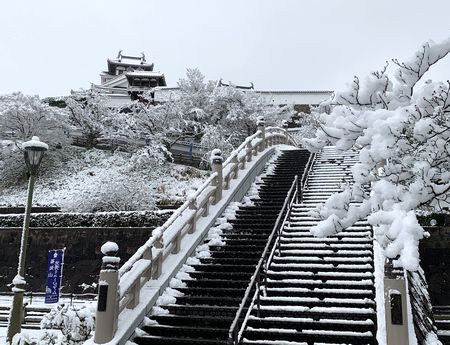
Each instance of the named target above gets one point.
<point>401,132</point>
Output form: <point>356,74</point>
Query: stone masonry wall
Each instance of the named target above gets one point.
<point>82,256</point>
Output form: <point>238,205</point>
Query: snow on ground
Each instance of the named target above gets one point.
<point>81,178</point>
<point>29,333</point>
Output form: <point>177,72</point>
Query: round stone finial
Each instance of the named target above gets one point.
<point>109,248</point>
<point>216,156</point>
<point>433,222</point>
<point>260,121</point>
<point>216,152</point>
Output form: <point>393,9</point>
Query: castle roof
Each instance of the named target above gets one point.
<point>128,61</point>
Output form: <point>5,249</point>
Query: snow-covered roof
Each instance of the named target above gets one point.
<point>115,81</point>
<point>130,62</point>
<point>133,63</point>
<point>109,88</point>
<point>148,74</point>
<point>296,91</point>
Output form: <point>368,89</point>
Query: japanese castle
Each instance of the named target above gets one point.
<point>127,77</point>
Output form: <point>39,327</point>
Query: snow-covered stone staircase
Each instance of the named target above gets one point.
<point>442,317</point>
<point>32,319</point>
<point>319,290</point>
<point>210,292</point>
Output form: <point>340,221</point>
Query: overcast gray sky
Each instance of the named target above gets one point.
<point>50,47</point>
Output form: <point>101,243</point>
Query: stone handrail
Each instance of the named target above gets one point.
<point>158,232</point>
<point>167,239</point>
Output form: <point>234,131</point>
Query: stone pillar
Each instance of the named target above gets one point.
<point>261,125</point>
<point>395,303</point>
<point>108,295</point>
<point>216,167</point>
<point>285,126</point>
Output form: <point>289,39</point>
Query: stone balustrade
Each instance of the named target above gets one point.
<point>167,240</point>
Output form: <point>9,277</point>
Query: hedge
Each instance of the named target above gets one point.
<point>100,219</point>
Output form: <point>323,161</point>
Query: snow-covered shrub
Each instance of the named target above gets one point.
<point>13,170</point>
<point>112,191</point>
<point>23,338</point>
<point>44,337</point>
<point>149,156</point>
<point>75,323</point>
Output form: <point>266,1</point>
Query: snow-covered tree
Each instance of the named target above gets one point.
<point>400,129</point>
<point>194,96</point>
<point>237,110</point>
<point>23,116</point>
<point>153,124</point>
<point>201,106</point>
<point>89,112</point>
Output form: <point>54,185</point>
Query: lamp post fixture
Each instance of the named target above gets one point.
<point>34,151</point>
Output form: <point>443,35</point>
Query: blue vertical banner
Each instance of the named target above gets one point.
<point>54,274</point>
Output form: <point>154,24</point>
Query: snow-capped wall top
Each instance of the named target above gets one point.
<point>35,142</point>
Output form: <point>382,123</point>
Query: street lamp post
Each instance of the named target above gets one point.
<point>34,151</point>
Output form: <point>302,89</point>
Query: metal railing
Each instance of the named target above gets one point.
<point>304,179</point>
<point>235,331</point>
<point>294,195</point>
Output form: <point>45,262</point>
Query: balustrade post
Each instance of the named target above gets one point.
<point>243,160</point>
<point>216,167</point>
<point>285,126</point>
<point>176,242</point>
<point>226,182</point>
<point>135,292</point>
<point>156,263</point>
<point>108,295</point>
<point>249,151</point>
<point>147,255</point>
<point>261,125</point>
<point>193,221</point>
<point>235,163</point>
<point>157,257</point>
<point>206,211</point>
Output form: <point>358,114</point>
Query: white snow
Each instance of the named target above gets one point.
<point>35,142</point>
<point>109,247</point>
<point>19,280</point>
<point>379,260</point>
<point>399,130</point>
